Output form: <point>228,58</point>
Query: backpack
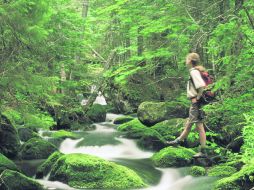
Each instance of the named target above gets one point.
<point>208,96</point>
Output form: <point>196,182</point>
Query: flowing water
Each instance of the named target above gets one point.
<point>107,143</point>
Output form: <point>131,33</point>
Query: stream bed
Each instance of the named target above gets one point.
<point>106,142</point>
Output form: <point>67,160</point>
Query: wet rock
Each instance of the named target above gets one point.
<point>5,163</point>
<point>25,134</point>
<point>97,113</point>
<point>150,113</point>
<point>36,148</point>
<point>197,171</point>
<point>170,129</point>
<point>85,171</point>
<point>173,157</point>
<point>148,138</point>
<point>12,180</point>
<point>205,162</point>
<point>9,139</point>
<point>46,166</point>
<point>123,119</point>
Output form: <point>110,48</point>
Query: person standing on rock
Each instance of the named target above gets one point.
<point>195,88</point>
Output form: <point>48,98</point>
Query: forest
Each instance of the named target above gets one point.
<point>91,91</point>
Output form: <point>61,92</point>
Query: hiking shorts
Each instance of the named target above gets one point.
<point>196,115</point>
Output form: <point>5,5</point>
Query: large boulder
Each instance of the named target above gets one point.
<point>5,163</point>
<point>97,113</point>
<point>241,180</point>
<point>173,157</point>
<point>46,166</point>
<point>12,180</point>
<point>150,113</point>
<point>37,148</point>
<point>9,139</point>
<point>85,171</point>
<point>148,138</point>
<point>26,133</point>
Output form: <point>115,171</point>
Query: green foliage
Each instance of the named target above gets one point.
<point>248,135</point>
<point>238,180</point>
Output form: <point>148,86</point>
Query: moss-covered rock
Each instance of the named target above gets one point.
<point>25,134</point>
<point>150,113</point>
<point>173,157</point>
<point>97,113</point>
<point>85,171</point>
<point>221,171</point>
<point>11,180</point>
<point>242,180</point>
<point>63,134</point>
<point>170,129</point>
<point>46,166</point>
<point>133,129</point>
<point>37,148</point>
<point>123,119</point>
<point>197,171</point>
<point>151,140</point>
<point>9,139</point>
<point>147,138</point>
<point>5,163</point>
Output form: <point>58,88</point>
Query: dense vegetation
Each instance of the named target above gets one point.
<point>131,51</point>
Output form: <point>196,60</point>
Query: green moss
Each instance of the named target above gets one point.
<point>148,138</point>
<point>86,171</point>
<point>123,119</point>
<point>173,157</point>
<point>5,163</point>
<point>197,171</point>
<point>151,113</point>
<point>46,166</point>
<point>133,129</point>
<point>37,148</point>
<point>169,129</point>
<point>221,171</point>
<point>239,180</point>
<point>63,134</point>
<point>15,180</point>
<point>25,134</point>
<point>97,113</point>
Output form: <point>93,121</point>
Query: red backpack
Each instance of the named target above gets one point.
<point>208,96</point>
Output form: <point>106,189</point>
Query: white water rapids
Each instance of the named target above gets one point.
<point>171,179</point>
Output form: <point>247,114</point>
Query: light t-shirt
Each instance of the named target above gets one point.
<point>192,89</point>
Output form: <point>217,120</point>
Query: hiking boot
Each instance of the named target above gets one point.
<point>173,143</point>
<point>201,154</point>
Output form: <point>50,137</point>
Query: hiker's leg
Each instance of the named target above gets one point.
<point>186,131</point>
<point>202,135</point>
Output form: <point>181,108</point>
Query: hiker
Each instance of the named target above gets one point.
<point>195,88</point>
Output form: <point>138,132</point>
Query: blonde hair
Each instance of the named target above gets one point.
<point>194,59</point>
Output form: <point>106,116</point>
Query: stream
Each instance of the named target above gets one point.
<point>106,142</point>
